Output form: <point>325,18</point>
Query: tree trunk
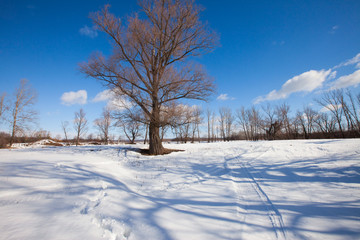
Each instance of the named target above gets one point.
<point>13,133</point>
<point>155,144</point>
<point>155,147</point>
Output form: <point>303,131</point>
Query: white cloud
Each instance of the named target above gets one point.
<point>347,81</point>
<point>305,82</point>
<point>89,32</point>
<point>70,98</point>
<point>114,101</point>
<point>224,97</point>
<point>103,96</point>
<point>119,103</point>
<point>354,60</point>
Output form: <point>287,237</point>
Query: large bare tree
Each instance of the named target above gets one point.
<point>148,63</point>
<point>21,109</point>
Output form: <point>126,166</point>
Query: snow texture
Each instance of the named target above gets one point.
<point>239,190</point>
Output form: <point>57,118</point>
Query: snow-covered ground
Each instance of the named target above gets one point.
<point>237,190</point>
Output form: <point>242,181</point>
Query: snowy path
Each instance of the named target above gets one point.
<point>257,207</point>
<point>237,190</point>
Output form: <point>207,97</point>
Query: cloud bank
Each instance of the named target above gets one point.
<point>305,82</point>
<point>314,79</point>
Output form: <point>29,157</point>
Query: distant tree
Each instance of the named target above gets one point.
<point>250,121</point>
<point>196,121</point>
<point>208,117</point>
<point>325,124</point>
<point>4,139</point>
<point>103,124</point>
<point>332,102</point>
<point>226,122</point>
<point>354,109</point>
<point>80,125</point>
<point>306,119</point>
<point>3,106</point>
<point>181,119</point>
<point>271,125</point>
<point>213,127</point>
<point>41,134</point>
<point>243,120</point>
<point>282,112</point>
<point>148,61</point>
<point>21,109</point>
<point>64,127</point>
<point>222,123</point>
<point>131,124</point>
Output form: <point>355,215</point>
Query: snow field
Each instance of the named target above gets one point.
<point>238,190</point>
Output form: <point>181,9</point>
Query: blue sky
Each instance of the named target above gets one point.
<point>271,51</point>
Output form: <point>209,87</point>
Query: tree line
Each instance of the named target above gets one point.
<point>337,118</point>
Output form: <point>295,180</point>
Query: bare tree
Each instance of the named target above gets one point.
<point>208,117</point>
<point>244,121</point>
<point>80,125</point>
<point>271,124</point>
<point>325,123</point>
<point>251,122</point>
<point>3,107</point>
<point>306,119</point>
<point>103,124</point>
<point>310,116</point>
<point>332,102</point>
<point>65,128</point>
<point>181,119</point>
<point>213,127</point>
<point>282,112</point>
<point>131,124</point>
<point>222,123</point>
<point>354,110</point>
<point>148,63</point>
<point>21,111</point>
<point>196,121</point>
<point>226,122</point>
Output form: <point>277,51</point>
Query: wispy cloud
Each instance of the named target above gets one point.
<point>224,97</point>
<point>305,82</point>
<point>352,79</point>
<point>334,29</point>
<point>88,31</point>
<point>71,98</point>
<point>354,60</point>
<point>279,43</point>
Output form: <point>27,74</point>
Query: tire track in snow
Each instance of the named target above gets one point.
<point>273,213</point>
